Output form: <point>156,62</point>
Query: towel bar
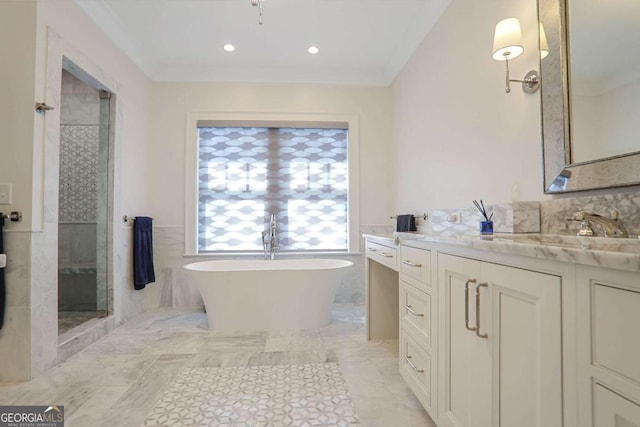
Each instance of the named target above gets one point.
<point>126,218</point>
<point>424,216</point>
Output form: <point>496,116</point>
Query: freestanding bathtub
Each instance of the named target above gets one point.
<point>252,295</point>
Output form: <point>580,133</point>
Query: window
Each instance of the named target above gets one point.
<point>245,174</point>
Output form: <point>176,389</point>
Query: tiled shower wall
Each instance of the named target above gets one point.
<point>79,147</point>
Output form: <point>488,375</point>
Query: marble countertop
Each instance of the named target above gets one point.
<point>620,254</point>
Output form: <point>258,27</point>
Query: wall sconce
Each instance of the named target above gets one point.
<point>507,44</point>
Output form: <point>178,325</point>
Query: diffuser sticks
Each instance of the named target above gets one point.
<point>486,226</point>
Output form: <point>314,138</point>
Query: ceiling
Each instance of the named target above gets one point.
<point>361,42</point>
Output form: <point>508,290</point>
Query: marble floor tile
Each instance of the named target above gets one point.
<point>234,342</point>
<point>94,409</point>
<point>148,388</point>
<point>120,379</point>
<point>294,341</point>
<point>270,358</point>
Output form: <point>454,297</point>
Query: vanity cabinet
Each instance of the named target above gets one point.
<point>504,338</point>
<point>608,315</point>
<point>501,345</point>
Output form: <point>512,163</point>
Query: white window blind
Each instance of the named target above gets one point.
<point>246,174</point>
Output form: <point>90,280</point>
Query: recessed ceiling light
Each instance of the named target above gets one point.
<point>229,47</point>
<point>313,50</point>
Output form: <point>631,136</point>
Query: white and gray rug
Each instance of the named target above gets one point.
<point>281,395</point>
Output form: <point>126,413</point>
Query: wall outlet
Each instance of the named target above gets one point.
<point>5,193</point>
<point>455,218</point>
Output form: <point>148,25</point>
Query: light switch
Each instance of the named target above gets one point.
<point>5,193</point>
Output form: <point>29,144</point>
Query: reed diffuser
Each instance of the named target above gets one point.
<point>486,226</point>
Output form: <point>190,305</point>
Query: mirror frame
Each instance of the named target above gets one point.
<point>560,175</point>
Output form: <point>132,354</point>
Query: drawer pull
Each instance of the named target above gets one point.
<point>408,307</point>
<point>372,250</point>
<point>386,255</point>
<point>414,367</point>
<point>410,264</point>
<point>478,286</point>
<point>466,305</point>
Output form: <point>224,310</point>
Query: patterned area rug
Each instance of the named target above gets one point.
<point>282,395</point>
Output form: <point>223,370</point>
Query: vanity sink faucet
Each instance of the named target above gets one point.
<point>612,227</point>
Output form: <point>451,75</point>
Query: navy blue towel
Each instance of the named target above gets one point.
<point>406,223</point>
<point>142,252</point>
<point>3,290</point>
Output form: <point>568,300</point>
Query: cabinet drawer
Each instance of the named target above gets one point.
<point>416,310</point>
<point>415,367</point>
<point>416,263</point>
<point>383,254</point>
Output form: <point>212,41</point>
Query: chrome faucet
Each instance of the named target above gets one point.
<point>270,241</point>
<point>612,227</point>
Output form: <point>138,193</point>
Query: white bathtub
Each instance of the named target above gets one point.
<point>252,295</point>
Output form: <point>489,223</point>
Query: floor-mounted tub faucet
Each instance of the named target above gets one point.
<point>270,241</point>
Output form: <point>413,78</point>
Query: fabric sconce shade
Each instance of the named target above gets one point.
<point>544,45</point>
<point>507,40</point>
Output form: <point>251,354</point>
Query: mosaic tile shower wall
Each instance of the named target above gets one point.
<point>247,174</point>
<point>78,173</point>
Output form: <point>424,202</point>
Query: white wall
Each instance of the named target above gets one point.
<point>458,135</point>
<point>36,34</point>
<point>172,101</point>
<point>17,22</point>
<point>78,31</point>
<point>170,105</point>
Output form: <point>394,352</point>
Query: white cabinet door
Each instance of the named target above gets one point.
<point>526,346</point>
<point>466,371</point>
<point>502,351</point>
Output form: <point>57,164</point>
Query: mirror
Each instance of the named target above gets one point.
<point>590,94</point>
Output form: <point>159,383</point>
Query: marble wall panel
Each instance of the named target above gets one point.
<point>17,246</point>
<point>554,213</point>
<point>515,217</point>
<point>80,102</point>
<point>14,348</point>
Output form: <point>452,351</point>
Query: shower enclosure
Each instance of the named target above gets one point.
<point>82,203</point>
